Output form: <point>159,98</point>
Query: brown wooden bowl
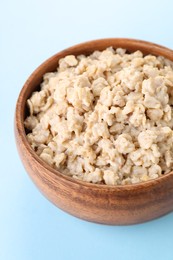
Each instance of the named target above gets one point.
<point>115,205</point>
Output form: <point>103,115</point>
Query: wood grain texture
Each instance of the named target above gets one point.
<point>120,205</point>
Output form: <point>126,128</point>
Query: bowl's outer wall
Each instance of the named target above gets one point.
<point>120,205</point>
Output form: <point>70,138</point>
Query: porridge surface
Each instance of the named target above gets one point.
<point>105,118</point>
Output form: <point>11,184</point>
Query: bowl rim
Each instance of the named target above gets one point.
<point>20,129</point>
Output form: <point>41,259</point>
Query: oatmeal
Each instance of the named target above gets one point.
<point>105,118</point>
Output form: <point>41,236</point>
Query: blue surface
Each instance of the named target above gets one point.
<point>30,32</point>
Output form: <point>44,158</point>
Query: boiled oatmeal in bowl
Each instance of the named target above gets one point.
<point>105,118</point>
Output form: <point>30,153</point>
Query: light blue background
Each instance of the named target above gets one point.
<point>30,32</point>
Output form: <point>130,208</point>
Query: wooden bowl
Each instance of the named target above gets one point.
<point>114,205</point>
